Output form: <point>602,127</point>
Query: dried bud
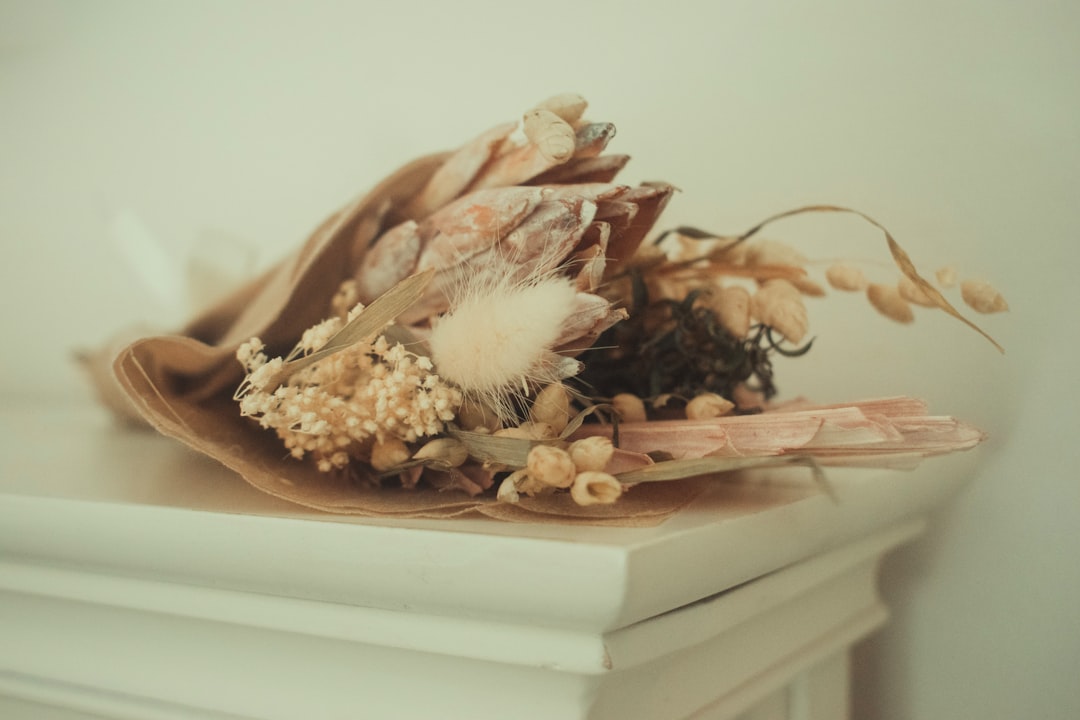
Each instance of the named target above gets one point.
<point>708,405</point>
<point>982,297</point>
<point>568,106</point>
<point>843,276</point>
<point>552,406</point>
<point>389,453</point>
<point>508,488</point>
<point>630,407</point>
<point>443,451</point>
<point>778,304</point>
<point>913,293</point>
<point>591,453</point>
<point>946,276</point>
<point>551,135</point>
<point>887,300</point>
<point>551,466</point>
<point>527,431</point>
<point>595,488</point>
<point>476,416</point>
<point>732,307</point>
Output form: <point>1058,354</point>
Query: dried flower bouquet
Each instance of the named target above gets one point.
<point>487,331</point>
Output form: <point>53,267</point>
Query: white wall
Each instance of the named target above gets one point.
<point>957,124</point>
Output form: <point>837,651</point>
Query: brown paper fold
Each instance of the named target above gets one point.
<point>182,384</point>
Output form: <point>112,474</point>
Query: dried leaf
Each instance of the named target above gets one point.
<point>696,467</point>
<point>364,326</point>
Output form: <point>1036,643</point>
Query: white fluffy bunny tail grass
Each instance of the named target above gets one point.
<point>496,344</point>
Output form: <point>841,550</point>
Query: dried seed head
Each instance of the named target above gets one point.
<point>843,276</point>
<point>497,343</point>
<point>913,293</point>
<point>946,276</point>
<point>568,106</point>
<point>552,406</point>
<point>982,297</point>
<point>591,453</point>
<point>551,466</point>
<point>551,135</point>
<point>887,300</point>
<point>443,451</point>
<point>708,405</point>
<point>595,488</point>
<point>389,453</point>
<point>778,304</point>
<point>771,252</point>
<point>732,308</point>
<point>630,407</point>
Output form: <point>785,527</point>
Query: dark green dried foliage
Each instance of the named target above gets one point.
<point>679,347</point>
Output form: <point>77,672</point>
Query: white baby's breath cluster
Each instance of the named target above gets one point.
<point>349,405</point>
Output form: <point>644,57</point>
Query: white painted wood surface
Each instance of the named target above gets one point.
<point>138,580</point>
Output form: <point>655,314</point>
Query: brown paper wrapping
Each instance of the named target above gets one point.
<point>182,384</point>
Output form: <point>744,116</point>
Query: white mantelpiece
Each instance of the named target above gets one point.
<point>138,580</point>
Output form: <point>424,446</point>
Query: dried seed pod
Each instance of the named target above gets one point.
<point>630,407</point>
<point>552,136</point>
<point>732,308</point>
<point>595,488</point>
<point>946,276</point>
<point>443,451</point>
<point>591,453</point>
<point>771,252</point>
<point>887,300</point>
<point>568,106</point>
<point>478,417</point>
<point>508,488</point>
<point>913,293</point>
<point>552,406</point>
<point>982,297</point>
<point>528,431</point>
<point>778,304</point>
<point>708,405</point>
<point>746,398</point>
<point>389,453</point>
<point>843,276</point>
<point>808,287</point>
<point>551,466</point>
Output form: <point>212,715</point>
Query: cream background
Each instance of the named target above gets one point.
<point>956,124</point>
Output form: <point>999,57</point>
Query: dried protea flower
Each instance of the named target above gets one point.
<point>519,251</point>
